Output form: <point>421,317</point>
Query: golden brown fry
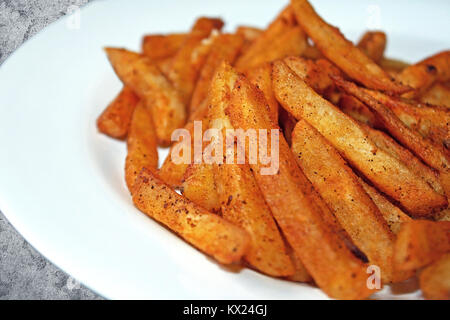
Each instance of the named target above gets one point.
<point>438,94</point>
<point>158,46</point>
<point>373,44</point>
<point>145,79</point>
<point>425,149</point>
<point>250,34</point>
<point>261,77</point>
<point>188,61</point>
<point>282,24</point>
<point>311,52</point>
<point>358,111</point>
<point>393,215</point>
<point>421,242</point>
<point>206,231</point>
<point>422,75</point>
<point>335,47</point>
<point>435,279</point>
<point>225,47</point>
<point>387,173</point>
<point>240,197</point>
<point>199,186</point>
<point>393,65</point>
<point>325,255</point>
<point>339,188</point>
<point>115,119</point>
<point>141,145</point>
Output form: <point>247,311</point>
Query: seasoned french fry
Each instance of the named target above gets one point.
<point>393,65</point>
<point>339,187</point>
<point>224,48</point>
<point>158,46</point>
<point>141,144</point>
<point>250,34</point>
<point>438,94</point>
<point>115,119</point>
<point>331,264</point>
<point>435,279</point>
<point>146,80</point>
<point>188,61</point>
<point>261,77</point>
<point>240,197</point>
<point>358,111</point>
<point>425,149</point>
<point>387,173</point>
<point>373,44</point>
<point>206,231</point>
<point>335,47</point>
<point>421,242</point>
<point>311,52</point>
<point>422,75</point>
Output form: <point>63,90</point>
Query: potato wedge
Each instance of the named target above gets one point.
<point>339,188</point>
<point>393,65</point>
<point>331,264</point>
<point>147,81</point>
<point>115,119</point>
<point>421,242</point>
<point>438,94</point>
<point>335,47</point>
<point>206,231</point>
<point>141,144</point>
<point>225,47</point>
<point>435,279</point>
<point>358,111</point>
<point>389,175</point>
<point>250,34</point>
<point>158,46</point>
<point>373,44</point>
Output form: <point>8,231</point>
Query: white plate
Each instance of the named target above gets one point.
<point>61,182</point>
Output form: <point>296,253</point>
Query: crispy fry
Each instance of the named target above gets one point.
<point>224,48</point>
<point>340,189</point>
<point>335,47</point>
<point>421,242</point>
<point>373,44</point>
<point>422,75</point>
<point>438,94</point>
<point>145,79</point>
<point>387,173</point>
<point>250,34</point>
<point>435,279</point>
<point>115,119</point>
<point>358,111</point>
<point>326,257</point>
<point>206,231</point>
<point>158,46</point>
<point>311,52</point>
<point>393,65</point>
<point>141,144</point>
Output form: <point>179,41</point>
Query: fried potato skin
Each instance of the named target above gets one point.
<point>435,279</point>
<point>421,242</point>
<point>387,173</point>
<point>332,266</point>
<point>373,44</point>
<point>339,188</point>
<point>335,47</point>
<point>147,81</point>
<point>206,231</point>
<point>438,94</point>
<point>159,46</point>
<point>141,145</point>
<point>115,119</point>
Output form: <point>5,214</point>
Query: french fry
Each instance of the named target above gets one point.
<point>422,75</point>
<point>358,111</point>
<point>250,34</point>
<point>339,188</point>
<point>199,186</point>
<point>373,44</point>
<point>435,279</point>
<point>158,46</point>
<point>261,77</point>
<point>331,264</point>
<point>421,242</point>
<point>141,144</point>
<point>311,52</point>
<point>188,61</point>
<point>146,80</point>
<point>438,94</point>
<point>284,22</point>
<point>240,197</point>
<point>206,231</point>
<point>335,47</point>
<point>393,65</point>
<point>432,154</point>
<point>115,119</point>
<point>225,47</point>
<point>389,175</point>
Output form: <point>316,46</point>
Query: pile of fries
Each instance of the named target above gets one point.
<point>364,167</point>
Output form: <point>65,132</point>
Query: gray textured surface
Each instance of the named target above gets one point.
<point>24,273</point>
